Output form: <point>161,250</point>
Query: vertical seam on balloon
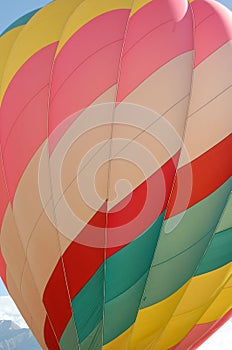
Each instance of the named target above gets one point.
<point>205,252</point>
<point>51,187</point>
<point>83,62</point>
<point>11,206</point>
<point>184,131</point>
<point>214,225</point>
<point>175,177</point>
<point>1,155</point>
<point>26,252</point>
<point>145,35</point>
<point>109,165</point>
<point>189,281</point>
<point>19,115</point>
<point>129,142</point>
<point>35,283</point>
<point>132,140</point>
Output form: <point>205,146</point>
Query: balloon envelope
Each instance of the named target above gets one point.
<point>115,172</point>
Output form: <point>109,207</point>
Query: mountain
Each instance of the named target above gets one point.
<point>12,337</point>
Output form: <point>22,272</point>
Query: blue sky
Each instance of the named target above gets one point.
<point>10,10</point>
<point>3,291</point>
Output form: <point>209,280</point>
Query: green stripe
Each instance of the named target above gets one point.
<point>126,273</point>
<point>226,219</point>
<point>68,340</point>
<point>20,21</point>
<point>179,252</point>
<point>218,254</point>
<point>128,265</point>
<point>94,339</point>
<point>88,305</point>
<point>121,312</point>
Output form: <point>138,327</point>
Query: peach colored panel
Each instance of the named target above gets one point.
<point>43,251</point>
<point>25,311</point>
<point>211,78</point>
<point>151,148</point>
<point>11,245</point>
<point>37,233</point>
<point>208,126</point>
<point>166,86</point>
<point>15,293</point>
<point>27,205</point>
<point>33,299</point>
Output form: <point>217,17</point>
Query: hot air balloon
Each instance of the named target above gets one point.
<point>115,181</point>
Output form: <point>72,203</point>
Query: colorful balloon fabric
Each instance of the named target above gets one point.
<point>115,181</point>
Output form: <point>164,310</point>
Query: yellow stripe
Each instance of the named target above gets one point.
<point>166,323</point>
<point>138,5</point>
<point>121,342</point>
<point>88,10</point>
<point>199,295</point>
<point>44,28</point>
<point>6,43</point>
<point>221,305</point>
<point>177,329</point>
<point>151,321</point>
<point>203,289</point>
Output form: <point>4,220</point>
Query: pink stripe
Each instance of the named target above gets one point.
<point>4,200</point>
<point>4,195</point>
<point>2,268</point>
<point>156,35</point>
<point>87,65</point>
<point>88,82</point>
<point>215,326</point>
<point>213,27</point>
<point>151,16</point>
<point>24,115</point>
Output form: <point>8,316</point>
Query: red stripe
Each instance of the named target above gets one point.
<point>24,115</point>
<point>159,32</point>
<point>49,336</point>
<point>213,27</point>
<point>82,261</point>
<point>148,201</point>
<point>56,301</point>
<point>209,172</point>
